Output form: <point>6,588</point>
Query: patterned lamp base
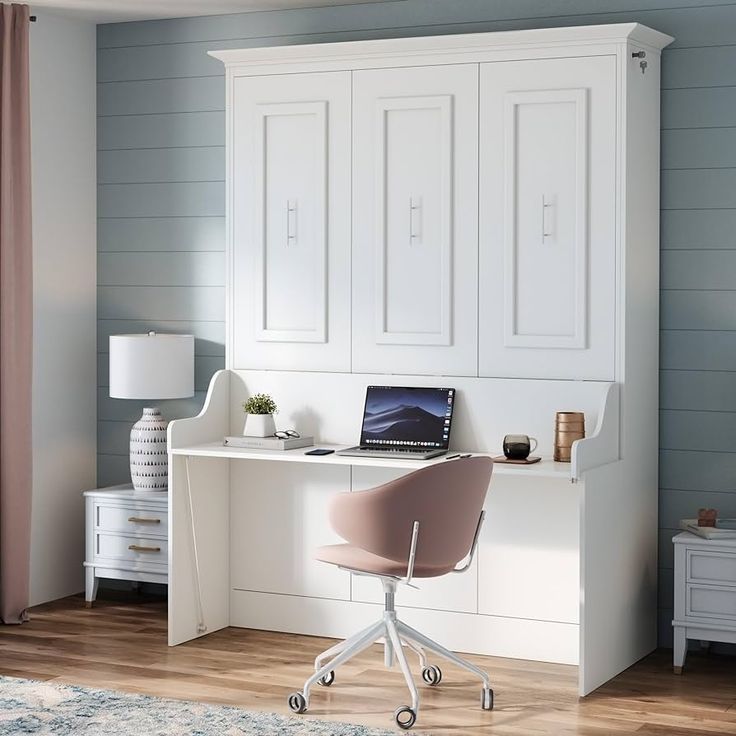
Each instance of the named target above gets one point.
<point>149,459</point>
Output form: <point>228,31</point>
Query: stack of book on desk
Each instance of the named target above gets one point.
<point>269,443</point>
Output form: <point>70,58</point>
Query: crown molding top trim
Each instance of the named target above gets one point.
<point>437,49</point>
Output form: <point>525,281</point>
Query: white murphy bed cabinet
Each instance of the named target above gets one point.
<point>476,211</point>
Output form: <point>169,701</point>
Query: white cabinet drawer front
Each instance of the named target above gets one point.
<point>711,568</point>
<point>711,602</point>
<point>132,519</point>
<point>132,548</point>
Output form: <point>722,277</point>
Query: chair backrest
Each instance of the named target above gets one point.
<point>445,498</point>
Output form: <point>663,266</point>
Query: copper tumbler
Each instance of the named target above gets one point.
<point>569,426</point>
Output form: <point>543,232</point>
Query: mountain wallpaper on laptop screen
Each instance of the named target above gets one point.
<point>396,414</point>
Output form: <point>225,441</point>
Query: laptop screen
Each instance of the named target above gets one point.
<point>407,417</point>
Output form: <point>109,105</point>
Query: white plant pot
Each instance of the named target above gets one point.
<point>259,425</point>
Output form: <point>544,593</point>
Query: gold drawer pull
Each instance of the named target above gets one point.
<point>141,520</point>
<point>138,548</point>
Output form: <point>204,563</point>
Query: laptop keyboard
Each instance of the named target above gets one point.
<point>390,449</point>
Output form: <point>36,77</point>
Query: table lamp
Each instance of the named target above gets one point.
<point>151,367</point>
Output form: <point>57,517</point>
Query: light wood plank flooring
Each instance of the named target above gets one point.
<point>121,645</point>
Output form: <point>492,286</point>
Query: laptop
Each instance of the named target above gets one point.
<point>405,422</point>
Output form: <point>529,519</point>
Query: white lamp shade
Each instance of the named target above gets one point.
<point>151,366</point>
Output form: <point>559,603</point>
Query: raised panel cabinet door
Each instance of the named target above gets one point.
<point>415,138</point>
<point>290,214</point>
<point>547,296</point>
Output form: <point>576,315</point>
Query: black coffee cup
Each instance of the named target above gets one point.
<point>518,446</point>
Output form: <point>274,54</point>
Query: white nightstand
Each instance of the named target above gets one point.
<point>127,537</point>
<point>705,592</point>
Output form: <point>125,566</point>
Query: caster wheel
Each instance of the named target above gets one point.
<point>432,675</point>
<point>405,717</point>
<point>486,699</point>
<point>328,679</point>
<point>298,703</point>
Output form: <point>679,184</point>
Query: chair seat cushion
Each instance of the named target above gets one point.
<point>355,558</point>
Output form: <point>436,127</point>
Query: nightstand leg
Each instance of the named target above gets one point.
<point>90,586</point>
<point>679,649</point>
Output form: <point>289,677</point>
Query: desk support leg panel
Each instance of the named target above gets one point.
<point>618,574</point>
<point>201,626</point>
<point>199,568</point>
<point>199,521</point>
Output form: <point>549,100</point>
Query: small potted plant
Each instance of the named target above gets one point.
<point>259,410</point>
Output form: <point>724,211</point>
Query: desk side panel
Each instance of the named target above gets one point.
<point>618,571</point>
<point>601,446</point>
<point>210,503</point>
<point>619,613</point>
<point>212,423</point>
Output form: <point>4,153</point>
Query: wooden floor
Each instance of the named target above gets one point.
<point>122,645</point>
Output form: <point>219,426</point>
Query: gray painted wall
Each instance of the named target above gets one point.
<point>161,204</point>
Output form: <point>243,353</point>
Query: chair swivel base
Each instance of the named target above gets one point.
<point>396,635</point>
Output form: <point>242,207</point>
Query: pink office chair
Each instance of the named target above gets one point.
<point>421,525</point>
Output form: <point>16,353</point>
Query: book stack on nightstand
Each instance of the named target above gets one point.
<point>126,537</point>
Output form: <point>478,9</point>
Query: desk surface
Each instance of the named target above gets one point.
<point>545,468</point>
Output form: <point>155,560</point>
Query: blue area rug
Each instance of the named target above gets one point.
<point>33,707</point>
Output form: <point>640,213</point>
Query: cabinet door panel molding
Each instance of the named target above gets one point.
<point>562,224</point>
<point>548,220</point>
<point>289,211</point>
<point>414,294</point>
<point>421,235</point>
<point>290,170</point>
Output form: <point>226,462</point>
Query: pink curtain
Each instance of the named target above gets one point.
<point>16,314</point>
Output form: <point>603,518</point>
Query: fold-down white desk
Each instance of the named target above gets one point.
<point>545,468</point>
<point>547,583</point>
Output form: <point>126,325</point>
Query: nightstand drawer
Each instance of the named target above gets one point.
<point>132,519</point>
<point>711,602</point>
<point>131,548</point>
<point>709,567</point>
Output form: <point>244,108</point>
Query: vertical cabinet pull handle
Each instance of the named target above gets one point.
<point>290,221</point>
<point>546,208</point>
<point>415,219</point>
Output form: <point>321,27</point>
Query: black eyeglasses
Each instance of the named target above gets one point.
<point>284,434</point>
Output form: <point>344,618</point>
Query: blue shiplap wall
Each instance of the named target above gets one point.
<point>161,204</point>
